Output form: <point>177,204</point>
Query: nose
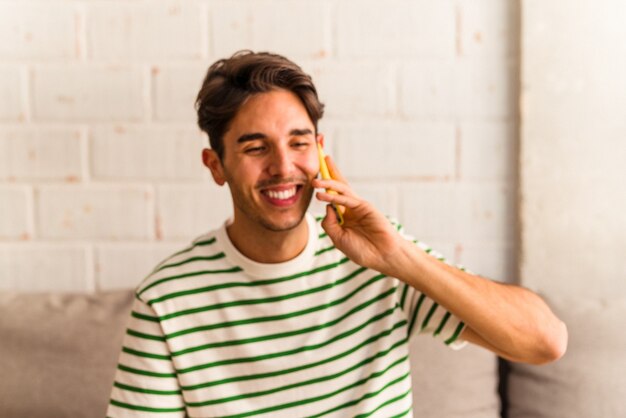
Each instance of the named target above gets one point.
<point>281,163</point>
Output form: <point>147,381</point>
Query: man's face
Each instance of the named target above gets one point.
<point>270,158</point>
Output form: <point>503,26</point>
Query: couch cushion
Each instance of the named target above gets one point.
<point>590,379</point>
<point>58,352</point>
<point>453,384</point>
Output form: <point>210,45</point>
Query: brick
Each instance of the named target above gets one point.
<point>175,89</point>
<point>42,153</point>
<point>494,260</point>
<point>11,105</point>
<point>396,150</point>
<point>36,30</point>
<point>185,212</point>
<point>257,25</point>
<point>427,89</point>
<point>488,151</point>
<point>458,212</point>
<point>15,213</point>
<point>123,266</point>
<point>488,28</point>
<point>354,89</point>
<point>145,30</point>
<point>88,93</point>
<point>400,29</point>
<point>43,267</point>
<point>487,88</point>
<point>147,152</point>
<point>484,89</point>
<point>95,212</point>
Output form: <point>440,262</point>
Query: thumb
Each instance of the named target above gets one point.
<point>331,224</point>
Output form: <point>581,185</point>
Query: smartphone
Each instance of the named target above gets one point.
<point>325,173</point>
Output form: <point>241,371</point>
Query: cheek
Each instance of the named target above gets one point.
<point>311,165</point>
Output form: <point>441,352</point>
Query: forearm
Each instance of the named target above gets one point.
<point>510,320</point>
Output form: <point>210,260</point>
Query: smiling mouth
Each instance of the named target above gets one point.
<point>284,195</point>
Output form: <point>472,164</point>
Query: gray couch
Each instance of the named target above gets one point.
<point>58,354</point>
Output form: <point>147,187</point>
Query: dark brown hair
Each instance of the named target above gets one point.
<point>229,82</point>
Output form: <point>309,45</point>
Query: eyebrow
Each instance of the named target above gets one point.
<point>258,135</point>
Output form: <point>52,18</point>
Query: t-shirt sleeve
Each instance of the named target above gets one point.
<point>145,381</point>
<point>424,315</point>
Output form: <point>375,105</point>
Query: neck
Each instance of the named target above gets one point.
<point>266,246</point>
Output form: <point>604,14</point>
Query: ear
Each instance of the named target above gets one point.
<point>212,161</point>
<point>320,139</point>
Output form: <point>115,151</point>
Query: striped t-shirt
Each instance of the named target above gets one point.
<point>215,334</point>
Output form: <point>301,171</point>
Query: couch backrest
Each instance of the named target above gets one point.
<point>58,352</point>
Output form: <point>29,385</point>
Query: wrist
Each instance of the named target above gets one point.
<point>404,261</point>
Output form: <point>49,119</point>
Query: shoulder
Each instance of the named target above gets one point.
<point>202,255</point>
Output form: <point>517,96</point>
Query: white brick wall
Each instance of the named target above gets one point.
<point>145,30</point>
<point>298,29</point>
<point>11,105</point>
<point>113,212</point>
<point>400,29</point>
<point>38,30</point>
<point>100,168</point>
<point>15,213</point>
<point>40,153</point>
<point>88,93</point>
<point>131,152</point>
<point>175,89</point>
<point>396,150</point>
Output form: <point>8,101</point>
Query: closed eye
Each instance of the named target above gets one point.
<point>254,150</point>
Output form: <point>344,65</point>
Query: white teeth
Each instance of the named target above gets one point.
<point>283,194</point>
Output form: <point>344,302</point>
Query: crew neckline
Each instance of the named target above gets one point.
<point>255,269</point>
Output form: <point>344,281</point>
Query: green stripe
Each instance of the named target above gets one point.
<point>403,413</point>
<point>323,250</point>
<point>362,363</point>
<point>181,276</point>
<point>390,401</point>
<point>456,334</point>
<point>144,372</point>
<point>282,316</point>
<point>243,301</point>
<point>404,293</point>
<point>144,317</point>
<point>442,324</point>
<point>366,396</point>
<point>144,354</point>
<point>186,250</point>
<point>317,363</point>
<point>415,312</point>
<point>322,235</point>
<point>189,260</point>
<point>287,333</point>
<point>306,347</point>
<point>429,315</point>
<point>330,394</point>
<point>244,284</point>
<point>148,391</point>
<point>144,336</point>
<point>144,408</point>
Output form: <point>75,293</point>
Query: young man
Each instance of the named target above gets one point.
<point>281,314</point>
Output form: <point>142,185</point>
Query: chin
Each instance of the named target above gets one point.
<point>283,224</point>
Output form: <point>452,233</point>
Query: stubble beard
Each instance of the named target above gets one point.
<point>250,212</point>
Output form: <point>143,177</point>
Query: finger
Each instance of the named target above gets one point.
<point>335,185</point>
<point>334,171</point>
<point>349,202</point>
